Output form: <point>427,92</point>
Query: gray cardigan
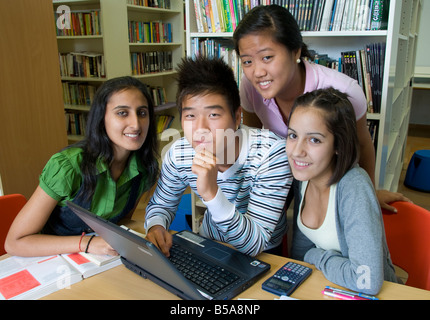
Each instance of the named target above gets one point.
<point>364,261</point>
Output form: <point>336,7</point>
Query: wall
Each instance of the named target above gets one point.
<point>420,109</point>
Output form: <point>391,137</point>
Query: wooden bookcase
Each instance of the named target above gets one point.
<point>32,122</point>
<point>393,119</point>
<point>116,48</point>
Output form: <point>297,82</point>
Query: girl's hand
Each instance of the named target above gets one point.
<point>98,246</point>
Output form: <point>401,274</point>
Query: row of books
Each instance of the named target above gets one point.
<point>82,64</point>
<point>164,4</point>
<point>311,15</point>
<point>218,48</point>
<point>163,122</point>
<point>75,122</point>
<point>343,15</point>
<point>158,95</point>
<point>78,93</point>
<point>365,65</point>
<point>79,23</point>
<point>149,32</point>
<point>150,62</point>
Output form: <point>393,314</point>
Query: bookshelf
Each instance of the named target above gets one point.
<point>400,39</point>
<point>118,47</point>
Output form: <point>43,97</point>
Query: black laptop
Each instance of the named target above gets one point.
<point>198,268</point>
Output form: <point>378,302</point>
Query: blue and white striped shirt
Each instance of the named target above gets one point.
<point>248,210</point>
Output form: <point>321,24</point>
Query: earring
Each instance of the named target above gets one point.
<point>298,60</point>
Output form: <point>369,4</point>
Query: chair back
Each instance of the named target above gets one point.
<point>10,205</point>
<point>408,238</point>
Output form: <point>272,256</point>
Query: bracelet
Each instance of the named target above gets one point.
<point>88,244</point>
<point>80,240</point>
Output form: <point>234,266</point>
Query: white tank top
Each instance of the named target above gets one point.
<point>325,237</point>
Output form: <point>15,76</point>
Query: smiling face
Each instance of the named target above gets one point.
<point>310,146</point>
<point>127,121</point>
<point>206,116</point>
<point>268,65</point>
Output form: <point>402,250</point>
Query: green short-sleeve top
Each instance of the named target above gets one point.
<point>61,179</point>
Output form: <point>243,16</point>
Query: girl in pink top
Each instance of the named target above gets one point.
<point>270,46</point>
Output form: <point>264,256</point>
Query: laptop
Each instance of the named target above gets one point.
<point>197,269</point>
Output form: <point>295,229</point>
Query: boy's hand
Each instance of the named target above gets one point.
<point>162,239</point>
<point>205,167</point>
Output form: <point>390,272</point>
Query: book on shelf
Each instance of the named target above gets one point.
<point>80,94</point>
<point>149,32</point>
<point>150,62</point>
<point>29,278</point>
<point>163,122</point>
<point>163,4</point>
<point>379,14</point>
<point>158,95</point>
<point>75,122</point>
<point>218,48</point>
<point>311,15</point>
<point>82,64</point>
<point>366,65</point>
<point>82,23</point>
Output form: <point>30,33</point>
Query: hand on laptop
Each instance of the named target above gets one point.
<point>159,236</point>
<point>98,246</point>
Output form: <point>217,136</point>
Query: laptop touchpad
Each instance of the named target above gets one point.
<point>217,253</point>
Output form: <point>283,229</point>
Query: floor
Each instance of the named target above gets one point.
<point>418,139</point>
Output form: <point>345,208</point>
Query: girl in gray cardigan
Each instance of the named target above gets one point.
<point>338,225</point>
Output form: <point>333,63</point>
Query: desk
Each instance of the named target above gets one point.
<point>121,283</point>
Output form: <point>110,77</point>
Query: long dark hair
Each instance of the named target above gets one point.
<point>278,21</point>
<point>340,121</point>
<point>97,144</point>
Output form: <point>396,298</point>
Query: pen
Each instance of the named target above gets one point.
<point>363,295</point>
<point>341,295</point>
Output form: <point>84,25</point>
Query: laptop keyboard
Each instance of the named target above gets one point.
<point>212,278</point>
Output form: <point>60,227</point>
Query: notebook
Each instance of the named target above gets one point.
<point>219,272</point>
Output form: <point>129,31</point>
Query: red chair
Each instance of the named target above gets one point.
<point>10,205</point>
<point>408,238</point>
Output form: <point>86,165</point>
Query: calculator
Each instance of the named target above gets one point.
<point>287,279</point>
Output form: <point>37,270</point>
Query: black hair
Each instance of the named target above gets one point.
<point>203,75</point>
<point>97,144</point>
<point>340,121</point>
<point>274,19</point>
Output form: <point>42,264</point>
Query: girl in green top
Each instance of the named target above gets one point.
<point>106,173</point>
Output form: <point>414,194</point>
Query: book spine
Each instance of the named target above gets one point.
<point>227,15</point>
<point>376,15</point>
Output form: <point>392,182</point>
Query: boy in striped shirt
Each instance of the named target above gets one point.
<point>241,174</point>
